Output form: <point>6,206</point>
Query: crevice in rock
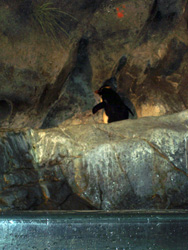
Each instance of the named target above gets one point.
<point>6,108</point>
<point>74,202</point>
<point>76,94</point>
<point>172,60</point>
<point>52,92</point>
<point>100,196</point>
<point>121,63</point>
<point>92,5</point>
<point>162,14</point>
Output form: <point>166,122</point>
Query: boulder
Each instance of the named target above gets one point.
<point>131,164</point>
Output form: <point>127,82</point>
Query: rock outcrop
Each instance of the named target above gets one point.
<point>131,164</point>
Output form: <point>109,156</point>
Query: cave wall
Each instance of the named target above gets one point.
<point>50,80</point>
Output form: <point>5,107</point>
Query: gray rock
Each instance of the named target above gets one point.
<point>130,164</point>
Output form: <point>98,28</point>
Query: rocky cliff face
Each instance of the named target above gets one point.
<point>48,74</point>
<point>130,164</point>
<point>49,80</point>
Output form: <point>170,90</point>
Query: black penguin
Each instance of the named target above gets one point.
<point>113,105</point>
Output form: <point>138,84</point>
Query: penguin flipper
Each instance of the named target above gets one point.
<point>129,110</point>
<point>98,107</point>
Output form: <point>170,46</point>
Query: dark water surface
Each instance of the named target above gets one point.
<point>120,230</point>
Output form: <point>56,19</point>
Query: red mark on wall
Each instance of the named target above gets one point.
<point>120,11</point>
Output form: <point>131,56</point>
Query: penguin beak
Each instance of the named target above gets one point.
<point>96,92</point>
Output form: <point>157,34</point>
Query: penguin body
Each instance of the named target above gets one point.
<point>113,105</point>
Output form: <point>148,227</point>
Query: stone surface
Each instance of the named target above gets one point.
<point>49,81</point>
<point>131,164</point>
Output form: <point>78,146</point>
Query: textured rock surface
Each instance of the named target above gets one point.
<point>46,82</point>
<point>49,81</point>
<point>124,165</point>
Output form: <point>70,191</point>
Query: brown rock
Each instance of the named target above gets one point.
<point>48,81</point>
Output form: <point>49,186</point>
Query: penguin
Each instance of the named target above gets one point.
<point>113,105</point>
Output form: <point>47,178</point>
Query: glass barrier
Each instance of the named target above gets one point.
<point>95,230</point>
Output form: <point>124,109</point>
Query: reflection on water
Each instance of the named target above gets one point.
<point>94,230</point>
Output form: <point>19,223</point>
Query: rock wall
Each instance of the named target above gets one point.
<point>47,80</point>
<point>50,80</point>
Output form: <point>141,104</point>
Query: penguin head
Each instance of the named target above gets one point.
<point>104,89</point>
